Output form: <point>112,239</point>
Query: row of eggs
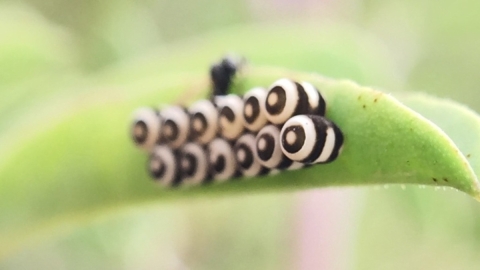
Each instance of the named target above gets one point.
<point>262,132</point>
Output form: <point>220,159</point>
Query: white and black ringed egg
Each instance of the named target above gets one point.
<point>176,126</point>
<point>285,99</point>
<point>311,139</point>
<point>230,116</point>
<point>163,166</point>
<point>254,109</point>
<point>268,149</point>
<point>203,121</point>
<point>221,158</point>
<point>247,160</point>
<point>194,164</point>
<point>145,129</point>
<point>316,103</point>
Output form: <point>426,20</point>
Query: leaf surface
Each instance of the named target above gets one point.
<point>385,143</point>
<point>71,159</point>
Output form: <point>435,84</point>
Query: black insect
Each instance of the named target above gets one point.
<point>223,73</point>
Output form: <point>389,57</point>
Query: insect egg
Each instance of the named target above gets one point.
<point>268,150</point>
<point>254,109</point>
<point>247,161</point>
<point>316,103</point>
<point>204,121</point>
<point>311,139</point>
<point>285,99</point>
<point>193,164</point>
<point>221,157</point>
<point>230,116</point>
<point>145,129</point>
<point>163,166</point>
<point>176,126</point>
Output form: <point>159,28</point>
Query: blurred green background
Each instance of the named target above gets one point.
<point>54,51</point>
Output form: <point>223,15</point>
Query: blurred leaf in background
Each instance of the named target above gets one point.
<point>31,45</point>
<point>108,31</point>
<point>56,51</point>
<point>443,37</point>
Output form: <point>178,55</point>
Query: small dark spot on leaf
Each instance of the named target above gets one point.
<point>364,106</point>
<point>375,100</point>
<point>469,155</point>
<point>445,179</point>
<point>434,179</point>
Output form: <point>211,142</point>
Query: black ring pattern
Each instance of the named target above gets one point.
<point>198,117</point>
<point>320,134</point>
<point>173,134</point>
<point>255,105</point>
<point>142,137</point>
<point>265,153</point>
<point>338,143</point>
<point>248,160</point>
<point>281,102</point>
<point>228,113</point>
<point>219,164</point>
<point>299,134</point>
<point>156,171</point>
<point>191,166</point>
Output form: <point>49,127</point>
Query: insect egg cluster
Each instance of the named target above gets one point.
<point>265,131</point>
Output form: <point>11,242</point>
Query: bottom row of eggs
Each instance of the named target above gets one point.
<point>303,140</point>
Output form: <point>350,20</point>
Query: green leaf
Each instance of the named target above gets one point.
<point>92,165</point>
<point>32,47</point>
<point>69,159</point>
<point>459,122</point>
<point>37,60</point>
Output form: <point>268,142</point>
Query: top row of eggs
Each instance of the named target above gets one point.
<point>226,115</point>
